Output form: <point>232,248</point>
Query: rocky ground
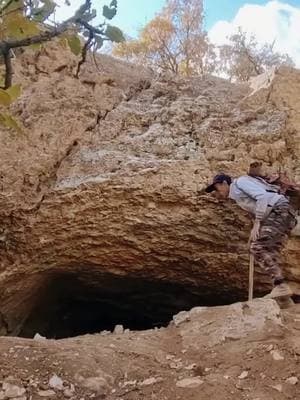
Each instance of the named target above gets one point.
<point>242,351</point>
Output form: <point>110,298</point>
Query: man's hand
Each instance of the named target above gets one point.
<point>255,231</point>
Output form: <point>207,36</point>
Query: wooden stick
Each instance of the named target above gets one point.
<point>251,277</point>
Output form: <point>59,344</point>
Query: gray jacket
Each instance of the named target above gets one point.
<point>255,195</point>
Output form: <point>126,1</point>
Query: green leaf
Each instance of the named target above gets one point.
<point>114,34</point>
<point>17,26</point>
<point>5,99</point>
<point>14,92</point>
<point>42,13</point>
<point>109,13</point>
<point>74,44</point>
<point>9,122</point>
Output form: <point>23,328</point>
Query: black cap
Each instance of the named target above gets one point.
<point>220,178</point>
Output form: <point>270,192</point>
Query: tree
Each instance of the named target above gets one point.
<point>244,58</point>
<point>28,23</point>
<point>173,41</point>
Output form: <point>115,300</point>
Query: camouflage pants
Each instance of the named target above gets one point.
<point>274,232</point>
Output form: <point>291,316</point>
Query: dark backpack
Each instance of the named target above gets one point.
<point>285,185</point>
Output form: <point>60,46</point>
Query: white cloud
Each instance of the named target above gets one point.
<point>275,20</point>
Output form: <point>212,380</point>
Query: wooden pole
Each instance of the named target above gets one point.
<point>251,277</point>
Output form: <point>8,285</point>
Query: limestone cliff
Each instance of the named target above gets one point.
<point>107,179</point>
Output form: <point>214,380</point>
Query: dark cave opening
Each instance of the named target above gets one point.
<point>73,304</point>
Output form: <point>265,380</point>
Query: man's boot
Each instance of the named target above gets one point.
<point>279,291</point>
<point>282,294</point>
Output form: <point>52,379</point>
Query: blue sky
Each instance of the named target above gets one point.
<point>133,14</point>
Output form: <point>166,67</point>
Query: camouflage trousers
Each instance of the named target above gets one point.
<point>274,232</point>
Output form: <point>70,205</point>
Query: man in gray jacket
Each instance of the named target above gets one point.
<point>274,220</point>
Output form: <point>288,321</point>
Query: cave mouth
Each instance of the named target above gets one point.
<point>74,304</point>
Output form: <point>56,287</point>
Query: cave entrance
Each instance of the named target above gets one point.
<point>73,304</point>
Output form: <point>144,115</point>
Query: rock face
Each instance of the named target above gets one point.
<point>104,187</point>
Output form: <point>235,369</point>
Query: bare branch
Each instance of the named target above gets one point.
<point>8,69</point>
<point>41,38</point>
<point>89,27</point>
<point>85,49</point>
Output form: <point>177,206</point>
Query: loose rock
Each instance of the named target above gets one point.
<point>189,382</point>
<point>56,383</point>
<point>11,390</point>
<point>46,393</point>
<point>293,380</point>
<point>278,388</point>
<point>244,375</point>
<point>119,330</point>
<point>37,336</point>
<point>150,381</point>
<point>276,355</point>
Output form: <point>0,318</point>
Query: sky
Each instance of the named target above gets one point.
<point>269,20</point>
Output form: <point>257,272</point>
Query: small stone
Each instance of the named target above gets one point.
<point>293,380</point>
<point>190,367</point>
<point>170,357</point>
<point>68,392</point>
<point>56,382</point>
<point>46,393</point>
<point>277,387</point>
<point>11,390</point>
<point>129,383</point>
<point>189,383</point>
<point>244,375</point>
<point>119,330</point>
<point>150,381</point>
<point>43,386</point>
<point>276,355</point>
<point>181,317</point>
<point>37,336</point>
<point>96,384</point>
<point>270,348</point>
<point>176,365</point>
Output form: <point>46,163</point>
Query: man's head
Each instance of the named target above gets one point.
<point>220,185</point>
